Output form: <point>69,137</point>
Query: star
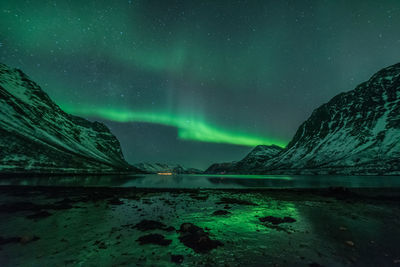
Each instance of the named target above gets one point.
<point>209,71</point>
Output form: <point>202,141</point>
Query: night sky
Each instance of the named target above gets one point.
<point>197,82</point>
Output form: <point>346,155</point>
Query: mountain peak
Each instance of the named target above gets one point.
<point>356,132</point>
<point>357,128</point>
<point>37,136</point>
<point>164,167</point>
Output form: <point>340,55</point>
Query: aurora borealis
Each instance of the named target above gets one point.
<point>188,128</point>
<point>196,82</point>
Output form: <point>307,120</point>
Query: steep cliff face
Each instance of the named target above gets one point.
<point>355,132</point>
<point>37,136</point>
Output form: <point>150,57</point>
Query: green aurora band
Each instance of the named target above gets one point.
<point>188,128</point>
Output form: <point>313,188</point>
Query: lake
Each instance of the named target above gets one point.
<point>207,181</point>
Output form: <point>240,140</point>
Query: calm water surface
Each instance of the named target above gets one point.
<point>208,181</point>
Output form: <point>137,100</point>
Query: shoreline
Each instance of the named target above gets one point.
<point>106,226</point>
<point>339,190</point>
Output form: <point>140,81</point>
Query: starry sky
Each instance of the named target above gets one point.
<point>197,82</point>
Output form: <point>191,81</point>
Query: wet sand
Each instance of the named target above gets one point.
<point>55,226</point>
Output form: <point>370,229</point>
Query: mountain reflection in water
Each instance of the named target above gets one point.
<point>206,181</point>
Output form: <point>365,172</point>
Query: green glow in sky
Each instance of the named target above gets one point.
<point>188,128</point>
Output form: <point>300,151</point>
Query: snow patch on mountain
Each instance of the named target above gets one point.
<point>36,135</point>
<point>165,168</point>
<point>357,132</point>
<point>253,160</point>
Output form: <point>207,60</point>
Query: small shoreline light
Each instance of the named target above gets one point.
<point>164,173</point>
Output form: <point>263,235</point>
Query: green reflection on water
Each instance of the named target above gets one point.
<point>243,176</point>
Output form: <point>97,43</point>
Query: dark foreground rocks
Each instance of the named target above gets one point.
<point>277,220</point>
<point>221,212</point>
<point>177,258</point>
<point>155,239</point>
<point>237,201</point>
<point>146,225</point>
<point>359,229</point>
<point>196,238</point>
<point>115,201</point>
<point>30,206</point>
<point>39,215</point>
<point>18,239</point>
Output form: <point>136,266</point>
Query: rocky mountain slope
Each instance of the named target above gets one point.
<point>37,136</point>
<point>163,167</point>
<point>357,132</point>
<point>253,161</point>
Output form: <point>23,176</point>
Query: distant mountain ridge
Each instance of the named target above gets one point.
<point>163,168</point>
<point>254,160</point>
<point>37,136</point>
<point>356,132</point>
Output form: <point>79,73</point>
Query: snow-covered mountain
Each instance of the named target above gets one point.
<point>37,136</point>
<point>253,161</point>
<point>357,132</point>
<point>163,168</point>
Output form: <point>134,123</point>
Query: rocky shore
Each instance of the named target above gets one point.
<point>53,226</point>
